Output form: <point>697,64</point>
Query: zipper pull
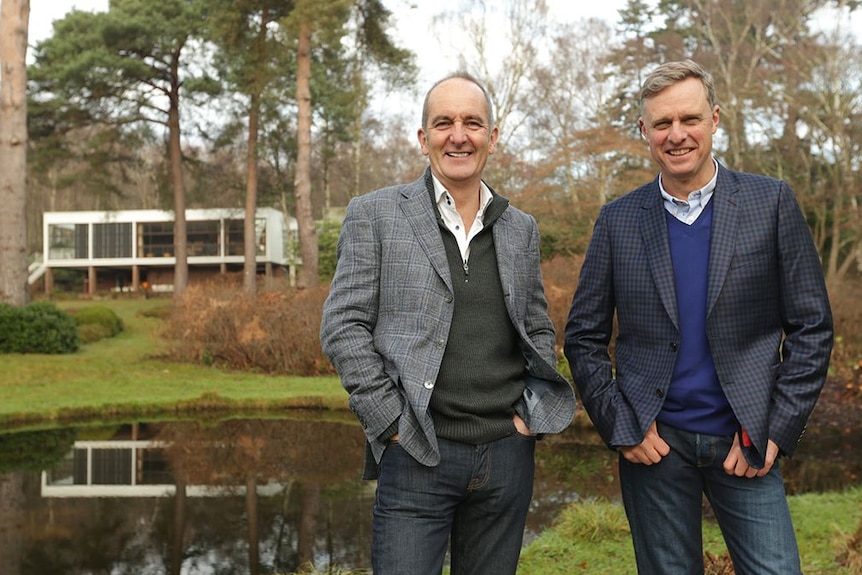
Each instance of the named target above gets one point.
<point>466,268</point>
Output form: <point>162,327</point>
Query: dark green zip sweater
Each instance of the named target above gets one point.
<point>481,375</point>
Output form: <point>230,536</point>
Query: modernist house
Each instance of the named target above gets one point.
<point>129,249</point>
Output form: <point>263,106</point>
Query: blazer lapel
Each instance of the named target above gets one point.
<point>506,262</point>
<point>420,213</point>
<point>653,228</point>
<point>725,221</point>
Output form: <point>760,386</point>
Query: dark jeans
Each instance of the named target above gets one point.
<point>478,495</point>
<point>664,506</point>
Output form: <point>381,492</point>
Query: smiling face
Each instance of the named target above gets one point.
<point>458,137</point>
<point>678,123</point>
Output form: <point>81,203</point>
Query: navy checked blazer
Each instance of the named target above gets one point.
<point>386,321</point>
<point>768,322</point>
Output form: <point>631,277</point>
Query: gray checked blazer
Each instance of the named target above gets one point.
<point>386,321</point>
<point>769,322</point>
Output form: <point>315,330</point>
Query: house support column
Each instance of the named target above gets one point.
<point>136,278</point>
<point>49,281</point>
<point>91,280</point>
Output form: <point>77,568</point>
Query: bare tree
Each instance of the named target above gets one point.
<point>507,79</point>
<point>828,110</point>
<point>14,23</point>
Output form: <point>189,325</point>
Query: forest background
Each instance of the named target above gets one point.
<point>178,104</point>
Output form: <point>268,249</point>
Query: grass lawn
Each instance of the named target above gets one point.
<point>124,376</point>
<point>593,538</point>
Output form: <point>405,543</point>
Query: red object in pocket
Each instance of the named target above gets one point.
<point>746,440</point>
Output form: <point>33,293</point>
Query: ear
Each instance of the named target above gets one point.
<point>642,128</point>
<point>492,140</point>
<point>423,141</point>
<point>716,116</point>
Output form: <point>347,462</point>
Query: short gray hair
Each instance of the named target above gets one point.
<point>670,73</point>
<point>460,76</point>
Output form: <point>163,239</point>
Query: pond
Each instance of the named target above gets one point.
<point>256,495</point>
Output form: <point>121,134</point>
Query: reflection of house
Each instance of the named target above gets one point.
<point>124,469</point>
<point>122,249</point>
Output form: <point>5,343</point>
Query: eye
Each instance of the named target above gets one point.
<point>474,125</point>
<point>442,124</point>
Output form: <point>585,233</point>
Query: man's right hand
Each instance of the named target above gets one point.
<point>649,451</point>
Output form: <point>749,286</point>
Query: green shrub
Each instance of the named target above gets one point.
<point>93,332</point>
<point>102,316</point>
<point>327,243</point>
<point>39,327</point>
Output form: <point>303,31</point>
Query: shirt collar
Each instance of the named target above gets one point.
<point>444,200</point>
<point>701,196</point>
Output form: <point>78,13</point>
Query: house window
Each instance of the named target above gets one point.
<point>234,237</point>
<point>67,241</point>
<point>112,240</point>
<point>155,239</point>
<point>203,238</point>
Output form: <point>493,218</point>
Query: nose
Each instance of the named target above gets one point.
<point>677,132</point>
<point>459,134</point>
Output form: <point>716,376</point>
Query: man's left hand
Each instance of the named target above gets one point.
<point>736,464</point>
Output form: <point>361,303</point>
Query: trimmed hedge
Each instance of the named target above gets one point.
<point>39,327</point>
<point>97,322</point>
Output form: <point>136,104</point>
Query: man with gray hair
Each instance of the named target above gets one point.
<point>723,343</point>
<point>437,324</point>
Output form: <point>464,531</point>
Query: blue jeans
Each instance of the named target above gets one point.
<point>478,496</point>
<point>664,506</point>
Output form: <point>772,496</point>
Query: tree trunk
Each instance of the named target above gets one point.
<point>249,276</point>
<point>14,22</point>
<point>250,251</point>
<point>181,265</point>
<point>302,180</point>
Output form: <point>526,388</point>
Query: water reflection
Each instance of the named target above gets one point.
<point>242,496</point>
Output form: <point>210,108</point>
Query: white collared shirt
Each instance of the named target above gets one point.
<point>688,211</point>
<point>452,219</point>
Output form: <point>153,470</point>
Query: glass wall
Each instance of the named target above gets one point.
<point>156,239</point>
<point>203,238</point>
<point>234,237</point>
<point>112,240</point>
<point>68,241</point>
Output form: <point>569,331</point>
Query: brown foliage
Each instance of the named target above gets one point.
<point>271,332</point>
<point>851,555</point>
<point>717,565</point>
<point>560,275</point>
<point>277,331</point>
<point>847,354</point>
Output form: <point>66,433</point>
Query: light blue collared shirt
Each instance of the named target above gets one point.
<point>688,211</point>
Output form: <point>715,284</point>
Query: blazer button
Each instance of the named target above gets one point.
<point>429,384</point>
<point>439,344</point>
<point>674,346</point>
<point>449,298</point>
<point>659,393</point>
